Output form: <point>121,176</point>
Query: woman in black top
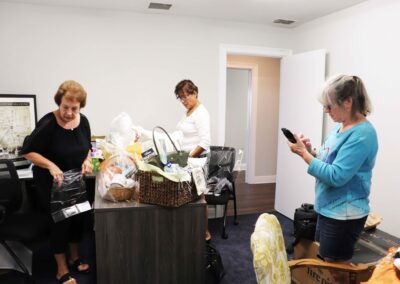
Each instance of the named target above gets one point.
<point>61,142</point>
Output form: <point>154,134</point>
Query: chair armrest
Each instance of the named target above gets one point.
<point>312,262</point>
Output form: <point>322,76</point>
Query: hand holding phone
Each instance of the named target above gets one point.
<point>289,135</point>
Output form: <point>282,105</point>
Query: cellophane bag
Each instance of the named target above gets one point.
<point>69,198</point>
<point>116,179</point>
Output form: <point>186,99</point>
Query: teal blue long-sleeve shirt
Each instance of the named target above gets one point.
<point>343,172</point>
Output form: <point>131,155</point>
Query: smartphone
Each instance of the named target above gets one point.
<point>289,135</point>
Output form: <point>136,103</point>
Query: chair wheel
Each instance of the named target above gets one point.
<point>224,235</point>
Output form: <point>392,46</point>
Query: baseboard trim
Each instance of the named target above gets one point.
<point>263,179</point>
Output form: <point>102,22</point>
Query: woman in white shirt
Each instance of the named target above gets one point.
<point>195,126</point>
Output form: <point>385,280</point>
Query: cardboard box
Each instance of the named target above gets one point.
<point>370,248</point>
<point>316,275</point>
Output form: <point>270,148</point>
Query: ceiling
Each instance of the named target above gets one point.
<point>251,11</point>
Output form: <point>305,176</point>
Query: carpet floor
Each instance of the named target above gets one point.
<point>235,253</point>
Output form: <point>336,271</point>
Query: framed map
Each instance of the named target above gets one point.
<point>17,119</point>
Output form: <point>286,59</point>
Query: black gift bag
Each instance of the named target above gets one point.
<point>214,267</point>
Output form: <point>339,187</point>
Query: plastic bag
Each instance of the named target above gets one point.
<point>121,131</point>
<point>69,198</point>
<point>116,179</point>
<point>220,175</point>
<point>239,161</point>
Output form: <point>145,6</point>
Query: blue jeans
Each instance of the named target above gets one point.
<point>337,238</point>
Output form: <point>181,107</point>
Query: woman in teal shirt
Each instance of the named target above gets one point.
<point>342,167</point>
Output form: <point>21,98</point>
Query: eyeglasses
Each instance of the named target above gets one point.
<point>328,107</point>
<point>184,97</point>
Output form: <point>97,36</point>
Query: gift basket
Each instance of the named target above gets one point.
<point>163,178</point>
<point>116,179</point>
<point>165,189</point>
<point>137,157</point>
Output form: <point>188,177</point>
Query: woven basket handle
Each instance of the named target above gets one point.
<point>154,139</point>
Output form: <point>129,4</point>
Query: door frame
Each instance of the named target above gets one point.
<point>224,50</point>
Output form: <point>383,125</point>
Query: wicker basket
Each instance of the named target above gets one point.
<point>121,193</point>
<point>156,189</point>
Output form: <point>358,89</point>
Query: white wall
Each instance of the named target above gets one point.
<point>132,62</point>
<point>126,61</point>
<point>237,88</point>
<point>364,40</point>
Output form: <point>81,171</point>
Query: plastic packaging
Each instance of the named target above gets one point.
<point>239,160</point>
<point>135,148</point>
<point>121,131</point>
<point>116,179</point>
<point>220,170</point>
<point>69,198</point>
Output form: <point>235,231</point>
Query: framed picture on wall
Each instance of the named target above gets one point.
<point>18,118</point>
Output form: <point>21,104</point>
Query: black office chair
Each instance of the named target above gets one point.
<point>222,161</point>
<point>16,225</point>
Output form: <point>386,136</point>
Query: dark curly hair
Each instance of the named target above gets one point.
<point>186,87</point>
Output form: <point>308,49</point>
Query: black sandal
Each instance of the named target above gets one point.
<point>75,264</point>
<point>65,278</point>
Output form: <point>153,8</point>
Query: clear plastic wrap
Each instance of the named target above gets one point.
<point>121,131</point>
<point>116,179</point>
<point>69,198</point>
<point>220,169</point>
<point>239,160</point>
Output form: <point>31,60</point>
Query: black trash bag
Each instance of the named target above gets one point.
<point>214,267</point>
<point>69,198</point>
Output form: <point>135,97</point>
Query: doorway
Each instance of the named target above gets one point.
<point>252,175</point>
<point>258,113</point>
<point>238,92</point>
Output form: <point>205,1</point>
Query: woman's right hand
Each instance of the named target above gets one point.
<point>306,141</point>
<point>45,163</point>
<point>57,174</point>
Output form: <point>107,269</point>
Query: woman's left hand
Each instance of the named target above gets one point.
<point>87,167</point>
<point>299,147</point>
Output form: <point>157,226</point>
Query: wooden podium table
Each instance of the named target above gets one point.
<point>142,243</point>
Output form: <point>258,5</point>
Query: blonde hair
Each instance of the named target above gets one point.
<point>72,90</point>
